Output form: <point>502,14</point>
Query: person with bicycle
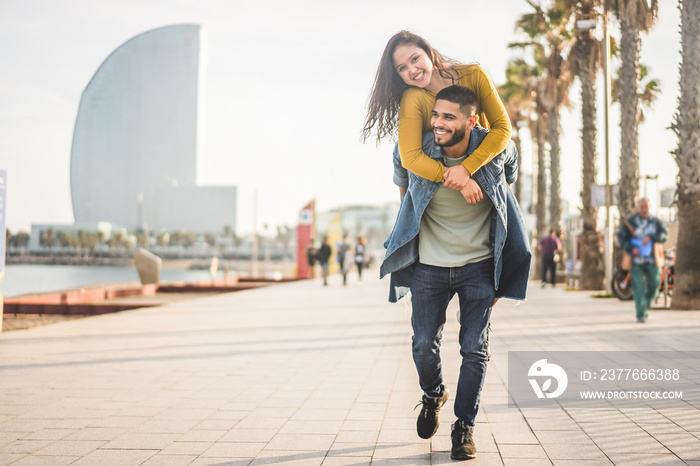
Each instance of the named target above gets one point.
<point>639,236</point>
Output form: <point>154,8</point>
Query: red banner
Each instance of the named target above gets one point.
<point>305,239</point>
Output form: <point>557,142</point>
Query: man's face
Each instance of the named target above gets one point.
<point>450,125</point>
<point>643,208</point>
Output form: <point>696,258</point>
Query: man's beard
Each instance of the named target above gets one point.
<point>457,137</point>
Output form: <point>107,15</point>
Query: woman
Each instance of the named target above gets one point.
<point>410,73</point>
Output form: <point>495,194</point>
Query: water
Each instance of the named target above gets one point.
<point>23,279</point>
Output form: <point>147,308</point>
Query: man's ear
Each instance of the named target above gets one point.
<point>472,121</point>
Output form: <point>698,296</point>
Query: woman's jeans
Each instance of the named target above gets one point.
<point>432,289</point>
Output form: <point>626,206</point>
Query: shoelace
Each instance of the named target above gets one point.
<point>427,408</point>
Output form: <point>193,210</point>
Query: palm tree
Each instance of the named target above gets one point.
<point>547,29</point>
<point>635,16</point>
<point>686,293</point>
<point>517,94</point>
<point>586,61</point>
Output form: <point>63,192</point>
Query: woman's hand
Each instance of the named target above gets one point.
<point>456,177</point>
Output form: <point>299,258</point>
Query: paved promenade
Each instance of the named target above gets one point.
<point>309,375</point>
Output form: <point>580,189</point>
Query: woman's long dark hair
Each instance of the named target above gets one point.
<point>388,87</point>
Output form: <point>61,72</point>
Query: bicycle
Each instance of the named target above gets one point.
<point>622,280</point>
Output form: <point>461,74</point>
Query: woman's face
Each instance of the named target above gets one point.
<point>413,65</point>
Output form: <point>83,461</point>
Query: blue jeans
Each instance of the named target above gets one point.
<point>432,289</point>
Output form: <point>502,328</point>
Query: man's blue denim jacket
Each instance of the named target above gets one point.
<point>508,234</point>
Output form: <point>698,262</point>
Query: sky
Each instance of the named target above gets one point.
<point>287,83</point>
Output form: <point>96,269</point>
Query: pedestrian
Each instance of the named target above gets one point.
<point>361,255</point>
<point>550,247</point>
<point>323,255</point>
<point>409,76</point>
<point>443,245</point>
<point>341,257</point>
<point>641,236</point>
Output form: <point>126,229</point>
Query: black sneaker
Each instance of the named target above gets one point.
<point>428,419</point>
<point>463,447</point>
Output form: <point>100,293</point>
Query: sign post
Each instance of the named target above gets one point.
<point>3,192</point>
<point>305,240</point>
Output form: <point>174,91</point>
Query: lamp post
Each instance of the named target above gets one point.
<point>608,191</point>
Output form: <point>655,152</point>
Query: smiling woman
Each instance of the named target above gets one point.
<point>410,73</point>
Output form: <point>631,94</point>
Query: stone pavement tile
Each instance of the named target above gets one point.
<point>97,433</point>
<point>569,437</point>
<point>186,448</point>
<point>685,446</point>
<point>599,462</point>
<point>645,416</point>
<point>558,451</point>
<point>141,441</point>
<point>160,426</point>
<point>248,435</point>
<point>512,433</point>
<point>115,458</point>
<point>233,450</point>
<point>289,458</point>
<point>119,421</point>
<point>26,425</point>
<point>400,423</point>
<point>221,461</point>
<point>24,446</point>
<point>482,459</point>
<point>552,424</point>
<point>262,423</point>
<point>521,451</point>
<point>36,460</point>
<point>352,449</point>
<point>526,462</point>
<point>421,460</point>
<point>397,435</point>
<point>311,427</point>
<point>313,414</point>
<point>7,458</point>
<point>597,415</point>
<point>269,412</point>
<point>71,448</point>
<point>353,424</point>
<point>196,435</point>
<point>216,424</point>
<point>639,459</point>
<point>300,442</point>
<point>347,461</point>
<point>357,436</point>
<point>229,415</point>
<point>48,434</point>
<point>668,428</point>
<point>365,415</point>
<point>141,411</point>
<point>630,443</point>
<point>169,460</point>
<point>184,414</point>
<point>9,437</point>
<point>402,450</point>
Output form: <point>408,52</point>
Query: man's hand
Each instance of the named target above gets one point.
<point>646,240</point>
<point>472,192</point>
<point>456,177</point>
<point>635,252</point>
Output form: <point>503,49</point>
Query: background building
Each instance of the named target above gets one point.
<point>138,135</point>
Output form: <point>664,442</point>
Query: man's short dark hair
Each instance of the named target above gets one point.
<point>462,96</point>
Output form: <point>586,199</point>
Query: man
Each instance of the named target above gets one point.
<point>638,236</point>
<point>442,245</point>
<point>549,246</point>
<point>323,255</point>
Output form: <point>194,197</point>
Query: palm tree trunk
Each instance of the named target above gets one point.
<point>541,206</point>
<point>553,131</point>
<point>517,186</point>
<point>686,293</point>
<point>592,266</point>
<point>630,44</point>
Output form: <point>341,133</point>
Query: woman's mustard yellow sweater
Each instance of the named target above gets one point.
<point>414,119</point>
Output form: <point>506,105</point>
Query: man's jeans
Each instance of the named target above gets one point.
<point>432,289</point>
<point>645,286</point>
